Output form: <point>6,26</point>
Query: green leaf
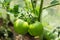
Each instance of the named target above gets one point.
<point>15,9</point>
<point>54,2</point>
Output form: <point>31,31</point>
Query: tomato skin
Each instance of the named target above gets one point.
<point>35,29</point>
<point>21,26</point>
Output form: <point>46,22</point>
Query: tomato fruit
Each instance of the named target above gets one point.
<point>21,26</point>
<point>35,29</point>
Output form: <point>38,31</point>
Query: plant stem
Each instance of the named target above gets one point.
<point>33,4</point>
<point>51,6</point>
<point>40,11</point>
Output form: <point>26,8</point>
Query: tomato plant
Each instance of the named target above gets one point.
<point>22,18</point>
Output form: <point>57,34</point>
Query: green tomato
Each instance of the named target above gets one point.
<point>21,26</point>
<point>36,29</point>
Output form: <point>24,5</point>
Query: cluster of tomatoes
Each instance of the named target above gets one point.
<point>23,27</point>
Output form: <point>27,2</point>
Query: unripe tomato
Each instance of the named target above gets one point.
<point>35,29</point>
<point>21,26</point>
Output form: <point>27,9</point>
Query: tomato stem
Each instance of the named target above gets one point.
<point>34,5</point>
<point>51,6</point>
<point>40,10</point>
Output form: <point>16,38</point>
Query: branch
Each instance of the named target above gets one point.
<point>51,6</point>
